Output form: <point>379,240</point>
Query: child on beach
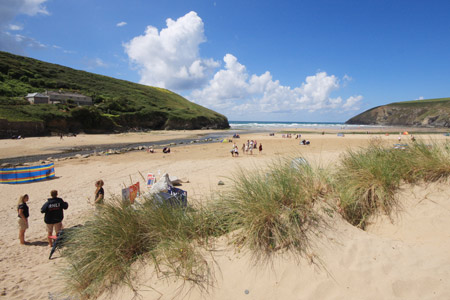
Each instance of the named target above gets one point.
<point>99,193</point>
<point>53,210</point>
<point>23,213</point>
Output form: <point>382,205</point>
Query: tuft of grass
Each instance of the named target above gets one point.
<point>427,161</point>
<point>102,254</point>
<point>366,181</point>
<point>271,211</point>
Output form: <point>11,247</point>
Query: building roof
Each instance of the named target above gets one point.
<point>30,95</point>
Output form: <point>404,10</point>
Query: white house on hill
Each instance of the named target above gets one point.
<point>50,97</point>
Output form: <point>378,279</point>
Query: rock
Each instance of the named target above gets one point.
<point>220,182</point>
<point>6,165</point>
<point>85,155</point>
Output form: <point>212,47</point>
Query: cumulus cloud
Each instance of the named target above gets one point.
<point>170,58</point>
<point>232,88</point>
<point>352,103</point>
<point>120,24</point>
<point>9,9</point>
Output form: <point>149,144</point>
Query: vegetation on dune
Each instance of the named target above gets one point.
<point>268,211</point>
<point>367,180</point>
<point>271,210</point>
<point>135,105</point>
<point>101,254</point>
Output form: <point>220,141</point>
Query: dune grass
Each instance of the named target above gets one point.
<point>367,180</point>
<point>103,253</point>
<point>270,210</point>
<point>266,210</point>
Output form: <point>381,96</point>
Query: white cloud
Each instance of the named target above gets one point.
<point>15,27</point>
<point>352,103</point>
<point>233,89</point>
<point>170,58</point>
<point>120,24</point>
<point>9,9</point>
<point>33,7</point>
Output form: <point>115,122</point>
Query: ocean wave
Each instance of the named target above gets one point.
<point>311,125</point>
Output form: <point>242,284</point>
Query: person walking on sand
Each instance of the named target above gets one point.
<point>260,148</point>
<point>23,214</point>
<point>53,210</point>
<point>99,193</point>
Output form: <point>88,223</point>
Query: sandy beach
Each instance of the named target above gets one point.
<point>403,258</point>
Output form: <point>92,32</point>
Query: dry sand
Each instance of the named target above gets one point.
<point>404,259</point>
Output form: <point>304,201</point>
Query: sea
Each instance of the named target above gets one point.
<point>267,125</point>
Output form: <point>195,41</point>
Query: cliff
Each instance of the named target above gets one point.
<point>419,113</point>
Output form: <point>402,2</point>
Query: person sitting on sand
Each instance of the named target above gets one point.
<point>23,214</point>
<point>166,150</point>
<point>53,210</point>
<point>99,193</point>
<point>150,150</point>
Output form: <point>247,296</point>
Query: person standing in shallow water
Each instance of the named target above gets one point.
<point>99,193</point>
<point>23,214</point>
<point>53,210</point>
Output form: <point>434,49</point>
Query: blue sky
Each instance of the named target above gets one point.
<point>250,60</point>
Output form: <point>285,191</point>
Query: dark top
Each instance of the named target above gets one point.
<point>100,192</point>
<point>24,207</point>
<point>53,210</point>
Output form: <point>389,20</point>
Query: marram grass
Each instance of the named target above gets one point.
<point>367,180</point>
<point>103,253</point>
<point>270,210</point>
<point>265,211</point>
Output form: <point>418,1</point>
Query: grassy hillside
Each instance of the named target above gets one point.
<point>421,113</point>
<point>117,103</point>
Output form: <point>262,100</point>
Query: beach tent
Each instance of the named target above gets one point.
<point>225,141</point>
<point>27,174</point>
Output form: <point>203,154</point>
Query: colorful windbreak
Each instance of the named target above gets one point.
<point>27,174</point>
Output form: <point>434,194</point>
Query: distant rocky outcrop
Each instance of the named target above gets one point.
<point>419,113</point>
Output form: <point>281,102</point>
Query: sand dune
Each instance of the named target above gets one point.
<point>404,259</point>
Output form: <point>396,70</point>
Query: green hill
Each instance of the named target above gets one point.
<point>118,105</point>
<point>420,113</point>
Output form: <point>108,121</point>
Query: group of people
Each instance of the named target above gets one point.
<point>247,148</point>
<point>53,210</point>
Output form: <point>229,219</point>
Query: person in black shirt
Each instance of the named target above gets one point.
<point>53,210</point>
<point>99,193</point>
<point>23,214</point>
